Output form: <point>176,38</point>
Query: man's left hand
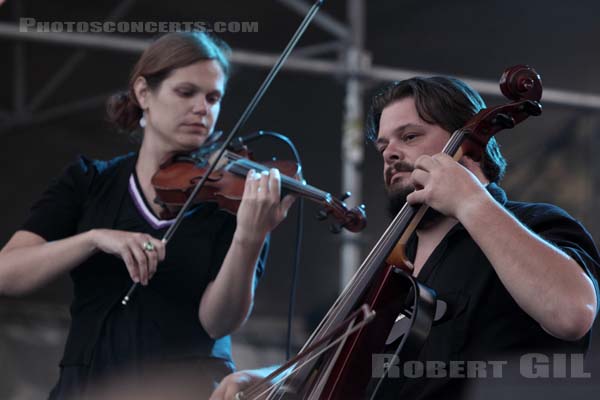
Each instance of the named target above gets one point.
<point>445,185</point>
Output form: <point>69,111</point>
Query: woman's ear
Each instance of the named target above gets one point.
<point>141,90</point>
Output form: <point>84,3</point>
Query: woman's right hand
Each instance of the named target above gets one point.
<point>130,247</point>
<point>236,382</point>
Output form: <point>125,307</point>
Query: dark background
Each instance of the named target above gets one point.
<point>551,158</point>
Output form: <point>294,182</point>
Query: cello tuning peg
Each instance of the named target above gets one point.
<point>335,228</point>
<point>531,107</point>
<point>345,196</point>
<point>504,121</point>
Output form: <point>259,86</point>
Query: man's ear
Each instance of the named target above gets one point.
<point>468,162</point>
<point>141,90</point>
<point>474,167</point>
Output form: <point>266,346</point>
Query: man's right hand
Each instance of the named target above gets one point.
<point>237,382</point>
<point>141,261</point>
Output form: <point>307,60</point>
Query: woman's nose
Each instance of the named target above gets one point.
<point>200,106</point>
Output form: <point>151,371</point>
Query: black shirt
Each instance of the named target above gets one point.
<point>483,321</point>
<point>161,321</point>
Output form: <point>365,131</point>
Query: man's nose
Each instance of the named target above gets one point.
<point>391,154</point>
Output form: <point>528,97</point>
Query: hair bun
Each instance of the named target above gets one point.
<point>123,112</point>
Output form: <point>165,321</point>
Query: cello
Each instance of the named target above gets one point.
<point>335,362</point>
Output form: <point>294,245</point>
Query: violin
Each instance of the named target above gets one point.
<point>176,179</point>
<point>336,361</point>
<point>351,223</point>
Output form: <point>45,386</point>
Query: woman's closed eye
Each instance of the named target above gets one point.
<point>185,92</point>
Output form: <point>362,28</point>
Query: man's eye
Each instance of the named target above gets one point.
<point>409,137</point>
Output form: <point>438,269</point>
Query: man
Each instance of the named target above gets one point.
<point>517,278</point>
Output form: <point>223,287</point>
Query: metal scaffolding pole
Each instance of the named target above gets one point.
<point>51,113</point>
<point>322,19</point>
<point>352,135</point>
<point>73,61</point>
<point>20,70</point>
<point>354,66</point>
<point>300,64</point>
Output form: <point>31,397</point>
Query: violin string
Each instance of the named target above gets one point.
<point>302,188</point>
<point>246,114</point>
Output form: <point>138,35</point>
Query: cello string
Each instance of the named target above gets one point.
<point>451,148</point>
<point>367,268</point>
<point>369,315</point>
<point>390,235</point>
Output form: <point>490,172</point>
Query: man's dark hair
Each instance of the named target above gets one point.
<point>443,101</point>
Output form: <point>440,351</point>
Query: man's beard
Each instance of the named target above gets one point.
<point>397,199</point>
<point>397,196</point>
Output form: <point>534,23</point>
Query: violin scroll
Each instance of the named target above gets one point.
<point>354,220</point>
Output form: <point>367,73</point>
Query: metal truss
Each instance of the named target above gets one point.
<point>353,65</point>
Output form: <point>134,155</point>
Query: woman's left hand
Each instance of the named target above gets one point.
<point>262,208</point>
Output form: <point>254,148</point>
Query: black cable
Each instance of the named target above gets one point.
<point>295,269</point>
<point>299,233</point>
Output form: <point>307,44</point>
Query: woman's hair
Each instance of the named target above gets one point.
<point>168,53</point>
<point>447,102</point>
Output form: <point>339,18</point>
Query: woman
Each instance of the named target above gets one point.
<point>99,222</point>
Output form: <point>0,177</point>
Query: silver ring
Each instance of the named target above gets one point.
<point>148,246</point>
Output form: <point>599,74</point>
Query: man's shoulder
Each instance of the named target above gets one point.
<point>543,215</point>
<point>535,210</point>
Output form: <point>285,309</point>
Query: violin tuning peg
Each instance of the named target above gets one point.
<point>345,196</point>
<point>362,207</point>
<point>321,215</point>
<point>335,228</point>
